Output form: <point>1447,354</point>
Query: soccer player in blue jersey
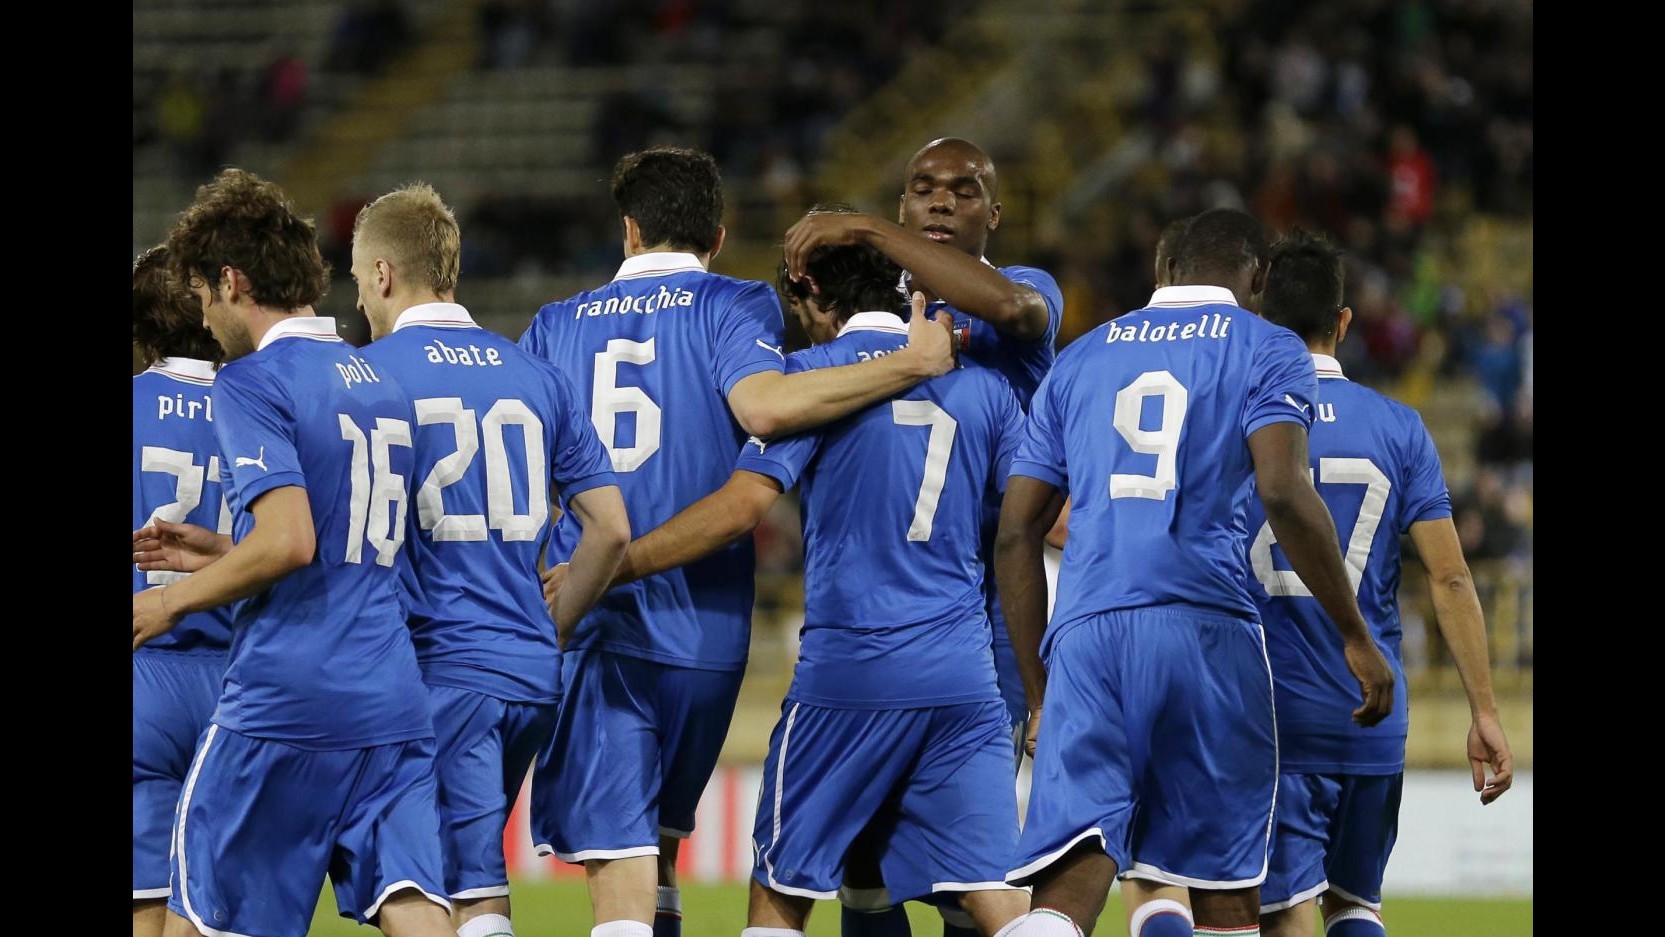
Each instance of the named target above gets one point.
<point>176,478</point>
<point>1006,318</point>
<point>1157,755</point>
<point>677,365</point>
<point>494,427</point>
<point>319,757</point>
<point>894,727</point>
<point>1377,470</point>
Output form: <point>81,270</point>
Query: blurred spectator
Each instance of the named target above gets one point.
<point>1411,172</point>
<point>282,95</point>
<point>367,35</point>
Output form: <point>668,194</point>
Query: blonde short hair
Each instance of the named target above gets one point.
<point>417,231</point>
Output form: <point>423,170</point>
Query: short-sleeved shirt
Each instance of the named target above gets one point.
<point>653,356</point>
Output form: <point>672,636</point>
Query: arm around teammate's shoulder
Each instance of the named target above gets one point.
<point>768,404</point>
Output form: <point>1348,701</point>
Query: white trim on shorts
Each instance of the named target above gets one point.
<point>675,834</point>
<point>1277,757</point>
<point>1150,872</point>
<point>145,894</point>
<point>401,885</point>
<point>790,890</point>
<point>179,838</point>
<point>490,891</point>
<point>1372,905</point>
<point>1052,857</point>
<point>585,855</point>
<point>1299,897</point>
<point>975,886</point>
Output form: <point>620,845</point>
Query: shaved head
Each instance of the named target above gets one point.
<point>961,149</point>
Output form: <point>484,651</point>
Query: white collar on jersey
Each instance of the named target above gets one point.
<point>1191,296</point>
<point>874,322</point>
<point>658,264</point>
<point>434,314</point>
<point>192,368</point>
<point>902,284</point>
<point>1327,366</point>
<point>301,327</point>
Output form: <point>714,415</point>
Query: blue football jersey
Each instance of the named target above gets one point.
<point>1376,468</point>
<point>1023,364</point>
<point>177,477</point>
<point>892,512</point>
<point>322,659</point>
<point>653,355</point>
<point>1145,421</point>
<point>494,425</point>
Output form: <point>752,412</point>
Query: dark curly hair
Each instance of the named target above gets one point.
<point>674,193</point>
<point>243,221</point>
<point>849,278</point>
<point>167,320</point>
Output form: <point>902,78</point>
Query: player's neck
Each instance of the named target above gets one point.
<point>1321,347</point>
<point>263,318</point>
<point>629,252</point>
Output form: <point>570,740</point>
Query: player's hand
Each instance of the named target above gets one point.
<point>931,338</point>
<point>1487,748</point>
<point>1375,678</point>
<point>150,616</point>
<point>554,578</point>
<point>179,548</point>
<point>820,228</point>
<point>1031,732</point>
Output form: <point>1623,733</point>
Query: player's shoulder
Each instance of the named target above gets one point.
<point>808,359</point>
<point>1034,276</point>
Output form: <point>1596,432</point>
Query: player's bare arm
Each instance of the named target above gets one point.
<point>963,281</point>
<point>1306,532</point>
<point>282,541</point>
<point>179,548</point>
<point>770,403</point>
<point>1463,625</point>
<point>1026,514</point>
<point>606,533</point>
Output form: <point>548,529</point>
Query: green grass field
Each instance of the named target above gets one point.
<point>562,910</point>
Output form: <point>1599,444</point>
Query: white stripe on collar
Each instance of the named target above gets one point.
<point>434,314</point>
<point>1191,296</point>
<point>190,369</point>
<point>1327,366</point>
<point>874,322</point>
<point>658,264</point>
<point>317,327</point>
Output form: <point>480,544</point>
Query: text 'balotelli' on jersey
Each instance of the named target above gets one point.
<point>494,426</point>
<point>653,355</point>
<point>178,477</point>
<point>322,659</point>
<point>1376,468</point>
<point>893,576</point>
<point>1145,422</point>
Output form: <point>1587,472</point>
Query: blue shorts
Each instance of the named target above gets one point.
<point>174,695</point>
<point>634,744</point>
<point>261,822</point>
<point>485,746</point>
<point>1157,737</point>
<point>1333,833</point>
<point>932,788</point>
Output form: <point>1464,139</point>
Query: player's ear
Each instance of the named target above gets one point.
<point>717,243</point>
<point>1344,320</point>
<point>233,281</point>
<point>1257,284</point>
<point>632,236</point>
<point>994,216</point>
<point>384,277</point>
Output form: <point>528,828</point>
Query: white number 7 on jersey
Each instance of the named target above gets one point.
<point>937,449</point>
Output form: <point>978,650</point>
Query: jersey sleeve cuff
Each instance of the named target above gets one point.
<point>747,370</point>
<point>763,465</point>
<point>580,485</point>
<point>1271,418</point>
<point>1037,470</point>
<point>251,492</point>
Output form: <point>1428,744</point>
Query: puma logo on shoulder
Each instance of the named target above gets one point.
<point>260,460</point>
